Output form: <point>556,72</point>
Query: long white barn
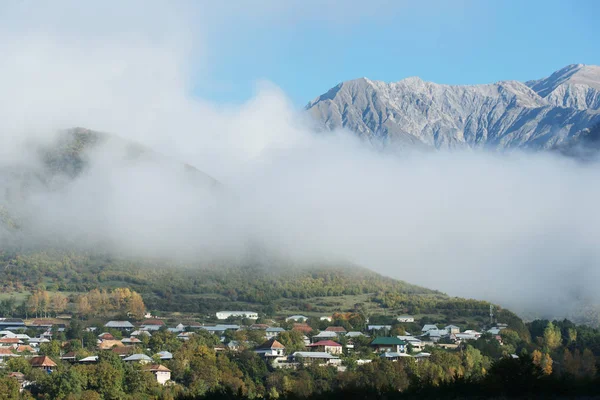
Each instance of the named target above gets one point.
<point>240,314</point>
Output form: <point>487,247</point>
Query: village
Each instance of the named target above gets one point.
<point>332,346</point>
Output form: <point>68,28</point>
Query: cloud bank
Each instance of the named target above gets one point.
<point>518,229</point>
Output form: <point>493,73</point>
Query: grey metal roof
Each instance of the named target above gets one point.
<point>118,324</point>
<point>314,354</point>
<point>137,357</point>
<point>165,355</point>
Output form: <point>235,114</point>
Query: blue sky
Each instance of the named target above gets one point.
<point>458,42</point>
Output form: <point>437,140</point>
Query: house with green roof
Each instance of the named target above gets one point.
<point>388,344</point>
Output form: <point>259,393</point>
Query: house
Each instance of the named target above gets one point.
<point>109,344</point>
<point>140,332</point>
<point>452,329</point>
<point>69,357</point>
<point>301,327</point>
<point>494,331</point>
<point>297,318</point>
<point>20,377</point>
<point>306,340</point>
<point>106,336</point>
<point>6,353</point>
<point>8,323</point>
<point>320,358</point>
<point>121,325</point>
<point>237,314</point>
<point>271,350</point>
<point>193,325</point>
<point>329,319</point>
<point>165,355</point>
<point>220,329</point>
<point>89,360</point>
<point>272,332</point>
<point>185,335</point>
<point>25,348</point>
<point>461,337</point>
<point>324,335</point>
<point>20,336</point>
<point>11,342</point>
<point>162,373</point>
<point>235,345</point>
<point>428,327</point>
<point>405,318</point>
<point>388,344</point>
<point>43,362</point>
<point>152,324</point>
<point>327,346</point>
<point>416,344</point>
<point>131,340</point>
<point>337,329</point>
<point>353,334</point>
<point>139,358</point>
<point>436,334</point>
<point>421,356</point>
<point>123,351</point>
<point>393,356</point>
<point>372,328</point>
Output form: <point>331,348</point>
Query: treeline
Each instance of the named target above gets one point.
<point>168,286</point>
<point>95,303</point>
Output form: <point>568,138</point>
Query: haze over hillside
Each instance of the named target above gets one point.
<point>518,229</point>
<point>538,114</point>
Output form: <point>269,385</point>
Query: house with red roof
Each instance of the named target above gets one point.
<point>327,346</point>
<point>302,327</point>
<point>43,362</point>
<point>337,329</point>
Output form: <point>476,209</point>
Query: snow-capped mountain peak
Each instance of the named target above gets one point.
<point>505,114</point>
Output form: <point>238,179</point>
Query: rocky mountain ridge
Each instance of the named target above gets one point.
<point>538,114</point>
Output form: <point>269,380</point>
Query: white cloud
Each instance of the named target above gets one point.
<point>519,229</point>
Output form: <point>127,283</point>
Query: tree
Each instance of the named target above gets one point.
<point>136,306</point>
<point>588,364</point>
<point>570,364</point>
<point>50,349</point>
<point>552,337</point>
<point>292,340</point>
<point>9,389</point>
<point>83,305</point>
<point>58,302</point>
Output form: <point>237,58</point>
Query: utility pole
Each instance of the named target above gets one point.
<point>491,315</point>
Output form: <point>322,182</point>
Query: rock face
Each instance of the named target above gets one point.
<point>509,114</point>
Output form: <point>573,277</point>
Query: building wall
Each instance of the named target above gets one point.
<point>162,377</point>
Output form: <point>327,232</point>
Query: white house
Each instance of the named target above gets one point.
<point>416,344</point>
<point>429,327</point>
<point>162,373</point>
<point>326,319</point>
<point>237,314</point>
<point>406,318</point>
<point>271,350</point>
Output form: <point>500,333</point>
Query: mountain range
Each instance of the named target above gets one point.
<point>539,114</point>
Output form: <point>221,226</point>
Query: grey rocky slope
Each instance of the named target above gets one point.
<point>537,114</point>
